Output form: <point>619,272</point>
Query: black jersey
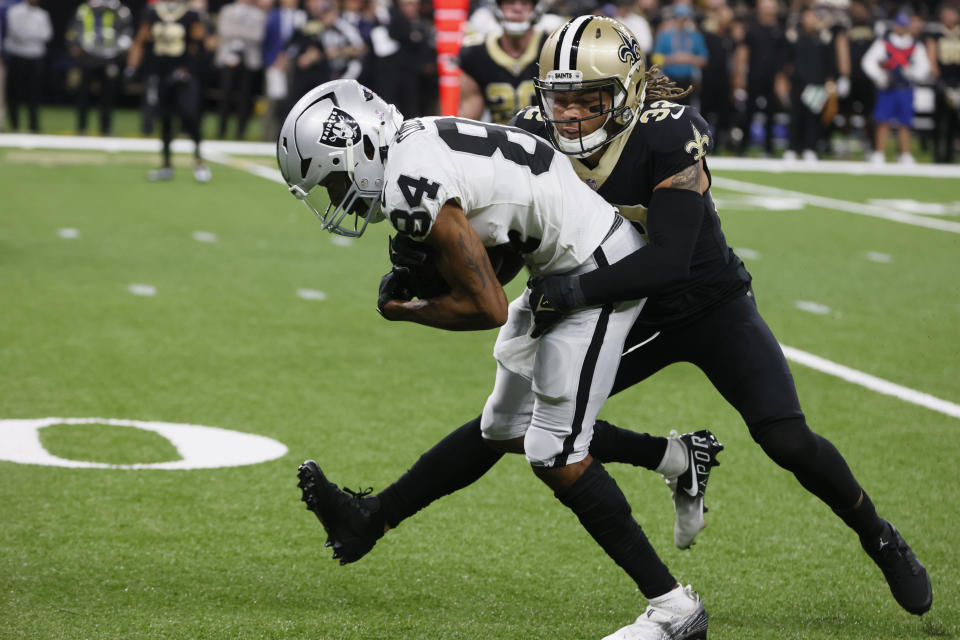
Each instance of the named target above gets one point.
<point>170,27</point>
<point>665,139</point>
<point>506,83</point>
<point>861,37</point>
<point>947,43</point>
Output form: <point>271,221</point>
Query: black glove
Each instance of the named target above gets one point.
<point>394,286</point>
<point>551,298</point>
<point>423,280</point>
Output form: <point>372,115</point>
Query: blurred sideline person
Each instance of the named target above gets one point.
<point>895,63</point>
<point>28,31</point>
<point>758,66</point>
<point>720,33</point>
<point>682,52</point>
<point>177,34</point>
<point>443,185</point>
<point>283,21</point>
<point>99,34</point>
<point>402,54</point>
<point>240,31</point>
<point>646,156</point>
<point>497,70</point>
<point>812,70</point>
<point>943,50</point>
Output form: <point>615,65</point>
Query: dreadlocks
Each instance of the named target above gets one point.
<point>660,87</point>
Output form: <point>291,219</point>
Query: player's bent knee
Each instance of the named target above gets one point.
<point>788,442</point>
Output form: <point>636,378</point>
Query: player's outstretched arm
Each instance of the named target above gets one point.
<point>476,300</point>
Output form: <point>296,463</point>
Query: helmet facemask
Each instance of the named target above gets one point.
<point>608,99</point>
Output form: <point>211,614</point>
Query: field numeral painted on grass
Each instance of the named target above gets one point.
<point>200,447</point>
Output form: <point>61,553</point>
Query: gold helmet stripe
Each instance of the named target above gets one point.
<point>570,42</point>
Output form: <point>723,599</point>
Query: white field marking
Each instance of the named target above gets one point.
<point>871,382</point>
<point>68,233</point>
<point>199,447</point>
<point>837,167</point>
<point>749,254</point>
<point>812,307</point>
<point>876,256</point>
<point>923,208</point>
<point>840,205</point>
<point>759,202</point>
<point>761,165</point>
<point>204,236</point>
<point>341,241</point>
<point>222,157</point>
<point>142,289</point>
<point>311,294</point>
<point>95,143</point>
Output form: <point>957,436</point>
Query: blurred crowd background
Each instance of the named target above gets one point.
<point>800,78</point>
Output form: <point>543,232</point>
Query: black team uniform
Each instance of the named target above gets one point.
<point>767,47</point>
<point>700,309</point>
<point>947,115</point>
<point>813,63</point>
<point>715,89</point>
<point>505,82</point>
<point>173,63</point>
<point>857,106</point>
<point>306,38</point>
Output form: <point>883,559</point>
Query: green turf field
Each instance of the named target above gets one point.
<point>226,341</point>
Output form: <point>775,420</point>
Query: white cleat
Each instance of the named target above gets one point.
<point>689,516</point>
<point>201,173</point>
<point>677,615</point>
<point>701,449</point>
<point>162,174</point>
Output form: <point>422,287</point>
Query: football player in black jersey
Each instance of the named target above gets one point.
<point>176,33</point>
<point>700,303</point>
<point>645,154</point>
<point>497,70</point>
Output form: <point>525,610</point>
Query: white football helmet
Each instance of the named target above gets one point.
<point>520,27</point>
<point>332,149</point>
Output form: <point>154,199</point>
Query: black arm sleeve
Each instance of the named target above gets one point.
<point>673,225</point>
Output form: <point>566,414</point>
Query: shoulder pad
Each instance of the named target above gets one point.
<point>473,39</point>
<point>528,119</point>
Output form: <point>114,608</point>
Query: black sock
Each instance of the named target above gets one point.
<point>862,517</point>
<point>605,513</point>
<point>455,462</point>
<point>613,444</point>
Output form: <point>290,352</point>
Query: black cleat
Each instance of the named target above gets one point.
<point>351,520</point>
<point>907,577</point>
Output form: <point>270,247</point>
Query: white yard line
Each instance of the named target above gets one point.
<point>839,205</point>
<point>846,167</point>
<point>873,383</point>
<point>255,168</point>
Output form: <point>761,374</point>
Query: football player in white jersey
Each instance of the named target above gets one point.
<point>461,186</point>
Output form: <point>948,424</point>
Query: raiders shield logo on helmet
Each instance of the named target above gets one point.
<point>340,129</point>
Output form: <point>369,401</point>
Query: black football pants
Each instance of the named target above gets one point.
<point>733,346</point>
<point>179,96</point>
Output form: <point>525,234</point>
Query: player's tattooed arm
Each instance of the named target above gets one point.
<point>476,299</point>
<point>693,178</point>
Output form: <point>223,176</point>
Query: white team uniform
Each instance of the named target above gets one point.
<point>514,188</point>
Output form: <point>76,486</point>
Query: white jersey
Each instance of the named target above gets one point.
<point>513,187</point>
